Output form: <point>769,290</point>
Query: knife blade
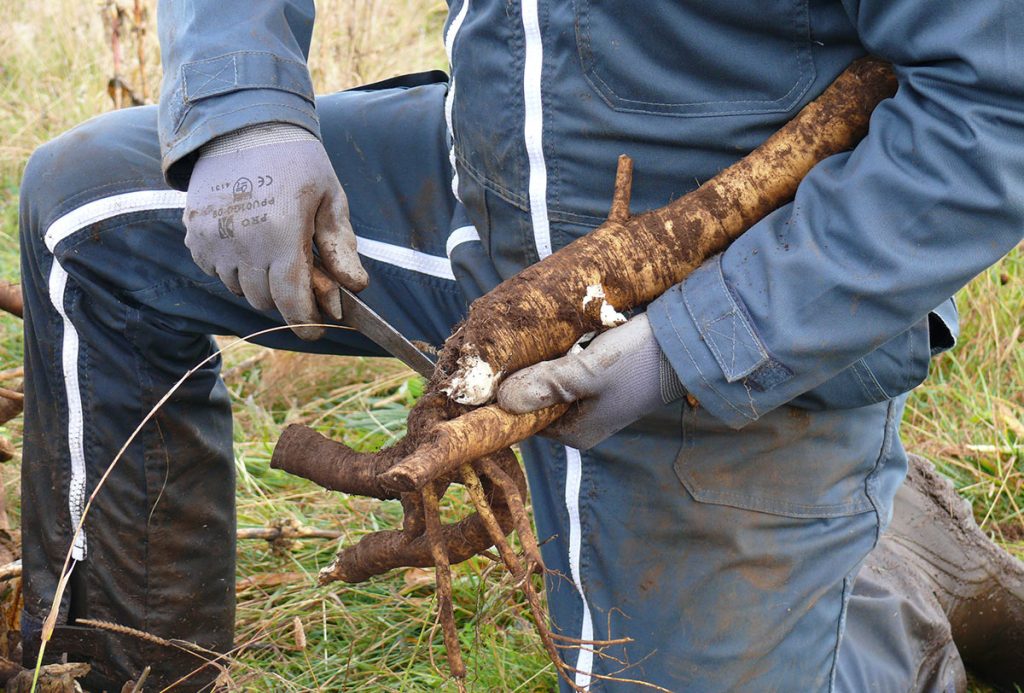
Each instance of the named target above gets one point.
<point>359,316</point>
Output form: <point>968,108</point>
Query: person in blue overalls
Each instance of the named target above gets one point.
<point>734,542</point>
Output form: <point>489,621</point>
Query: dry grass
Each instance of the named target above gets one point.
<point>55,61</point>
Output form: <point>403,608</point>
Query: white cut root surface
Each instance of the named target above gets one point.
<point>474,383</point>
<point>609,316</point>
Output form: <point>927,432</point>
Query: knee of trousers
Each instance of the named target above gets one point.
<point>110,154</point>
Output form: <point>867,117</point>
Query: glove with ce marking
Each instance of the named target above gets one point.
<point>619,378</point>
<point>258,201</point>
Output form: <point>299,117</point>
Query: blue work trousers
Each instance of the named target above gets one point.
<point>728,557</point>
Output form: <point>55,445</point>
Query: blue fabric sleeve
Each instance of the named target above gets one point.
<point>228,64</point>
<point>878,237</point>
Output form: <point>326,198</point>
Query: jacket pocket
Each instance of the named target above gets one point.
<point>691,58</point>
<point>790,462</point>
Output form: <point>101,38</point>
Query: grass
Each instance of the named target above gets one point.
<point>375,636</point>
<point>55,61</point>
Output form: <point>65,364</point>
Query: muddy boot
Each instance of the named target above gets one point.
<point>980,586</point>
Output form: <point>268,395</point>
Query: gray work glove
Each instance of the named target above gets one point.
<point>619,378</point>
<point>258,201</point>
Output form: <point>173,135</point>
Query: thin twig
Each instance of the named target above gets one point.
<point>520,572</point>
<point>12,395</point>
<point>141,15</point>
<point>11,570</point>
<point>443,579</point>
<point>12,373</point>
<point>287,532</point>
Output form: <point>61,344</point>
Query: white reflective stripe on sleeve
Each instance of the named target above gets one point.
<point>406,258</point>
<point>464,234</point>
<point>573,481</point>
<point>61,228</point>
<point>449,47</point>
<point>534,129</point>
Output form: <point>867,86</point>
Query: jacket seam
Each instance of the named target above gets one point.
<point>840,627</point>
<point>869,384</point>
<point>310,113</point>
<point>871,478</point>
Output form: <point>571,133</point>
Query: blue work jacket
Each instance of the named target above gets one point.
<point>838,299</point>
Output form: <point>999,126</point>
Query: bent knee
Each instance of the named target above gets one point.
<point>107,155</point>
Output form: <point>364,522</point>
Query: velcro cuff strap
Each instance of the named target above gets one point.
<point>243,70</point>
<point>721,323</point>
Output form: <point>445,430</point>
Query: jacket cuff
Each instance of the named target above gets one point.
<point>718,356</point>
<point>216,96</point>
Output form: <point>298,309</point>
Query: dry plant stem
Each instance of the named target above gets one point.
<point>514,565</point>
<point>137,686</point>
<point>286,532</point>
<point>140,45</point>
<point>443,578</point>
<point>115,16</point>
<point>11,300</point>
<point>520,515</point>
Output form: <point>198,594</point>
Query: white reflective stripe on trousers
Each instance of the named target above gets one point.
<point>66,225</point>
<point>406,258</point>
<point>573,481</point>
<point>533,133</point>
<point>449,100</point>
<point>464,234</point>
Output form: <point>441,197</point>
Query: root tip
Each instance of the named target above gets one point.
<point>401,480</point>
